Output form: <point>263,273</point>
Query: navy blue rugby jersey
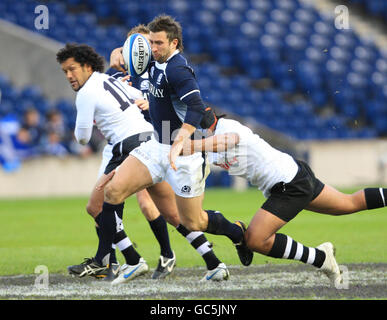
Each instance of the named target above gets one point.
<point>140,83</point>
<point>174,97</point>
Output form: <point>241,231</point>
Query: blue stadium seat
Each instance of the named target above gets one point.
<point>289,42</point>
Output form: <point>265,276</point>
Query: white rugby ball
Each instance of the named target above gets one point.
<point>137,54</point>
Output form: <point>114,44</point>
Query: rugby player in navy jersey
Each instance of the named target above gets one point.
<point>176,110</point>
<point>148,207</point>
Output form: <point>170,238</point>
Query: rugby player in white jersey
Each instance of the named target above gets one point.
<point>289,186</point>
<point>110,105</point>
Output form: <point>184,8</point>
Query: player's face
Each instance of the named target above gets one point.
<point>161,47</point>
<point>76,74</point>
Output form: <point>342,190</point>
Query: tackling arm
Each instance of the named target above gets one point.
<point>216,143</point>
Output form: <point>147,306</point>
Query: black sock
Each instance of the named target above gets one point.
<point>107,229</point>
<point>97,220</point>
<point>198,240</point>
<point>160,230</point>
<point>285,247</point>
<point>375,197</point>
<point>113,257</point>
<point>218,224</point>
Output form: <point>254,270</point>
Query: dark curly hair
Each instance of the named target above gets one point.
<point>83,54</point>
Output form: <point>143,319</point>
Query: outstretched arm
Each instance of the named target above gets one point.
<point>216,143</point>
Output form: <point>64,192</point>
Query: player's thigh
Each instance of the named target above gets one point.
<point>334,202</point>
<point>131,177</point>
<point>164,198</point>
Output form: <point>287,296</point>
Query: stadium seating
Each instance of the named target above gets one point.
<point>332,76</point>
<point>375,7</point>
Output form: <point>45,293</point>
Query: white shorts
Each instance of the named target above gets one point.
<point>107,154</point>
<point>190,178</point>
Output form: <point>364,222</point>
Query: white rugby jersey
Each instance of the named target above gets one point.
<point>109,104</point>
<point>253,158</point>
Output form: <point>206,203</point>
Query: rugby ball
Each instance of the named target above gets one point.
<point>137,54</point>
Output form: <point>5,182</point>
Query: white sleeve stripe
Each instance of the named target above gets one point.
<point>187,94</point>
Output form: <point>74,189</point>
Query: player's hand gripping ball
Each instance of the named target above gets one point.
<point>137,54</point>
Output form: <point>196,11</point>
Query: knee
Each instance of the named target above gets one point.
<point>257,243</point>
<point>172,219</point>
<point>93,209</point>
<point>113,195</point>
<point>145,207</point>
<point>192,225</point>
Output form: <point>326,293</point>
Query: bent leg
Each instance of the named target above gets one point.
<point>191,214</point>
<point>147,206</point>
<point>131,177</point>
<point>94,205</point>
<point>164,199</point>
<point>262,236</point>
<point>156,222</point>
<point>261,231</point>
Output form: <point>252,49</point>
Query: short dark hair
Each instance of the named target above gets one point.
<point>83,54</point>
<point>140,28</point>
<point>171,27</point>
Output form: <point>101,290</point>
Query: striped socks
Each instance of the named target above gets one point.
<point>198,240</point>
<point>284,247</point>
<point>126,247</point>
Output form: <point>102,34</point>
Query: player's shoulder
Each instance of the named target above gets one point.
<point>95,79</point>
<point>177,60</point>
<point>229,125</point>
<point>177,67</point>
<point>91,90</point>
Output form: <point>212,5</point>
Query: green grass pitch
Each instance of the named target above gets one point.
<point>57,232</point>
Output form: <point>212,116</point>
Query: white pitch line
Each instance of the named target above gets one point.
<point>187,286</point>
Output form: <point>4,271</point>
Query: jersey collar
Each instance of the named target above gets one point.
<point>160,65</point>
